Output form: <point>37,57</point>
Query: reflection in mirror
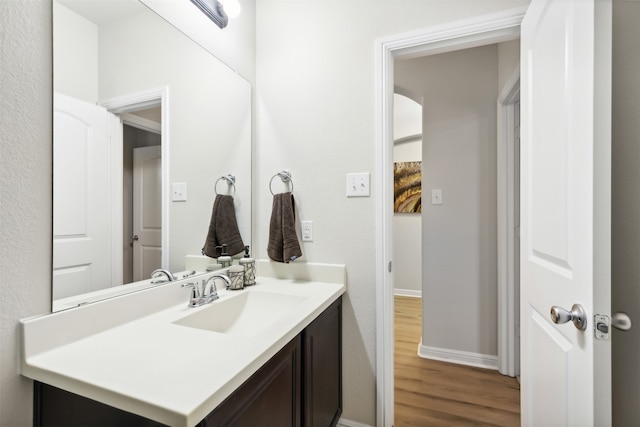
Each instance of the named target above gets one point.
<point>145,122</point>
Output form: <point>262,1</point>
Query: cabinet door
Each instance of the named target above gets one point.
<point>323,368</point>
<point>56,407</point>
<point>270,397</point>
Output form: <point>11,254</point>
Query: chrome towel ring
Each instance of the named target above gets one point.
<point>231,182</point>
<point>285,176</point>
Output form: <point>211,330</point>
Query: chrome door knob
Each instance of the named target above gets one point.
<point>577,315</point>
<point>621,321</point>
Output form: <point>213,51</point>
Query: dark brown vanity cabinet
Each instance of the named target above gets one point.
<point>322,378</point>
<point>270,397</point>
<point>300,386</point>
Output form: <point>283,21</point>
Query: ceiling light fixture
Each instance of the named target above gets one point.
<point>214,10</point>
<point>231,7</point>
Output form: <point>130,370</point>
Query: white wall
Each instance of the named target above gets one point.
<point>626,210</point>
<point>75,66</point>
<point>407,227</point>
<point>315,99</point>
<point>459,91</point>
<point>25,194</point>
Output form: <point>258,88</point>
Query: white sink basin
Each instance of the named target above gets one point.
<point>244,314</point>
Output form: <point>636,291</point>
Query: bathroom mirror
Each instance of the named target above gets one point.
<point>146,122</point>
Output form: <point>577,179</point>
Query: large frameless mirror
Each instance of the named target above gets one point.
<point>146,122</point>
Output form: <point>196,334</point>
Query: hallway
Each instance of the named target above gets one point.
<point>433,393</point>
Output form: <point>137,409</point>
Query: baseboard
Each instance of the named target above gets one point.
<point>348,423</point>
<point>407,293</point>
<point>457,356</point>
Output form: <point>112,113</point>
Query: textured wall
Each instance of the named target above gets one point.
<point>25,192</point>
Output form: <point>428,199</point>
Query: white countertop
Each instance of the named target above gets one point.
<point>127,352</point>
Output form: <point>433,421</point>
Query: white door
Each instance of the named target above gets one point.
<point>81,209</point>
<point>565,208</point>
<point>147,211</point>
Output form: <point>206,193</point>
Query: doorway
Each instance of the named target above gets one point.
<point>151,110</point>
<point>459,242</point>
<point>473,33</point>
<point>458,92</point>
<point>142,186</point>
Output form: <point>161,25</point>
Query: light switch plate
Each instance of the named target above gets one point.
<point>358,184</point>
<point>179,192</point>
<point>436,197</point>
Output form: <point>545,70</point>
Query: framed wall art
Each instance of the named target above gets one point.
<point>407,187</point>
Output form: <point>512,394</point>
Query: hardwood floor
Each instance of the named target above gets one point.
<point>433,393</point>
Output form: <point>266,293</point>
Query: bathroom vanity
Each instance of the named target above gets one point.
<point>270,353</point>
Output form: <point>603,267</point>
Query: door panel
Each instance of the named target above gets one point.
<point>81,248</point>
<point>147,211</point>
<point>552,366</point>
<point>565,210</point>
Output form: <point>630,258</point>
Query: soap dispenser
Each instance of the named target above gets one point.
<point>249,268</point>
<point>224,259</point>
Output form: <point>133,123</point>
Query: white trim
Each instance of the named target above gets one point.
<point>348,423</point>
<point>135,101</point>
<point>141,123</point>
<point>407,293</point>
<point>384,216</point>
<point>116,200</point>
<point>140,101</point>
<point>459,357</point>
<point>508,354</point>
<point>478,31</point>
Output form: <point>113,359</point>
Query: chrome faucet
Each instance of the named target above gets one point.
<point>213,291</point>
<point>196,299</point>
<point>201,296</point>
<point>160,271</point>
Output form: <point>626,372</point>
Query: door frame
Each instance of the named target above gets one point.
<point>508,283</point>
<point>478,31</point>
<point>135,102</point>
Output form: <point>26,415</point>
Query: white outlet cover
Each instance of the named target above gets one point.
<point>179,192</point>
<point>307,231</point>
<point>358,184</point>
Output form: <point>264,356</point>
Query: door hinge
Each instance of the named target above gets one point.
<point>601,326</point>
<point>389,267</point>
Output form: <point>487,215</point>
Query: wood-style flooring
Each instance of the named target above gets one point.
<point>433,393</point>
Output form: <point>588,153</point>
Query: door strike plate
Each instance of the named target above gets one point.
<point>601,326</point>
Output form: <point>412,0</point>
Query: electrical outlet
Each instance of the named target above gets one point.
<point>307,231</point>
<point>358,184</point>
<point>179,193</point>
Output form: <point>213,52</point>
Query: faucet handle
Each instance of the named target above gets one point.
<point>196,298</point>
<point>213,290</point>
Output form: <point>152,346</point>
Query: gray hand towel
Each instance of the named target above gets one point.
<point>223,228</point>
<point>283,242</point>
